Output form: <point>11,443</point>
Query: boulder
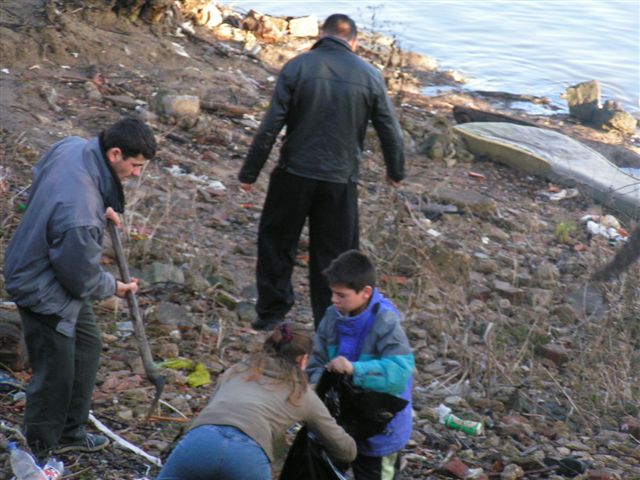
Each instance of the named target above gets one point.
<point>304,26</point>
<point>612,117</point>
<point>584,100</point>
<point>167,317</point>
<point>164,273</point>
<point>180,105</point>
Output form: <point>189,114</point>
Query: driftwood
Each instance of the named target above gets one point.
<point>466,115</point>
<point>143,344</point>
<point>122,442</point>
<point>225,108</point>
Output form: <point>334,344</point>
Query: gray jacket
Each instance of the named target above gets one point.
<point>52,265</point>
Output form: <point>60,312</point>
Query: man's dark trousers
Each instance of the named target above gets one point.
<point>64,375</point>
<point>332,209</point>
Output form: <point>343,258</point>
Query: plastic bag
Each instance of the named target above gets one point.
<point>362,413</point>
<point>307,460</point>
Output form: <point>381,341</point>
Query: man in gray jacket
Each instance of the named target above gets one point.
<point>52,272</point>
<point>326,98</point>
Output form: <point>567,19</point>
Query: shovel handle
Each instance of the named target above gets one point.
<point>134,309</point>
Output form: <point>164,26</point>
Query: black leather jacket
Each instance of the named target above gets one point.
<point>326,97</point>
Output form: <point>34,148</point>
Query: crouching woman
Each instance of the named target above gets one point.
<point>254,402</point>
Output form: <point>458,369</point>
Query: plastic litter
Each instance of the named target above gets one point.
<point>53,469</point>
<point>23,465</point>
<point>605,225</point>
<point>450,420</point>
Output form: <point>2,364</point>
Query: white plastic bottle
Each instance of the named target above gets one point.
<point>53,469</point>
<point>23,465</point>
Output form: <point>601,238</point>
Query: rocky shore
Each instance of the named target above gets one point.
<point>490,267</point>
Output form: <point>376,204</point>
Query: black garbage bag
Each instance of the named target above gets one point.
<point>307,460</point>
<point>362,413</point>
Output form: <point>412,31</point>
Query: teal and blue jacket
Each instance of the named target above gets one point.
<point>377,346</point>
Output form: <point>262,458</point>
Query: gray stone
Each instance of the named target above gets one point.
<point>123,101</point>
<point>584,100</point>
<point>497,234</point>
<point>164,273</point>
<point>506,290</point>
<point>468,200</point>
<point>246,312</point>
<point>608,437</point>
<point>195,281</point>
<point>167,317</point>
<point>587,301</point>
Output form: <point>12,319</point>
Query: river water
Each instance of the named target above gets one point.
<point>535,47</point>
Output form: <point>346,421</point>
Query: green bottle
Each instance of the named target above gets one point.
<point>450,420</point>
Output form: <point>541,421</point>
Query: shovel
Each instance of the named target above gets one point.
<point>143,344</point>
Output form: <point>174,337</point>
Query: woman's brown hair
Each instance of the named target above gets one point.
<point>287,343</point>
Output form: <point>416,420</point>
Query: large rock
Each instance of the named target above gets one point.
<point>167,317</point>
<point>164,273</point>
<point>180,105</point>
<point>208,15</point>
<point>304,26</point>
<point>584,100</point>
<point>612,117</point>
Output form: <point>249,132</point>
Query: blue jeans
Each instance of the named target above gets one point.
<point>217,452</point>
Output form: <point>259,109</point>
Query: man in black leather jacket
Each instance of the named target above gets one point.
<point>326,98</point>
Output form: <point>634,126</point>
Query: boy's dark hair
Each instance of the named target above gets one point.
<point>353,269</point>
<point>341,26</point>
<point>132,136</point>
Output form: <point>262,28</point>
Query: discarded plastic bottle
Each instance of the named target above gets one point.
<point>53,469</point>
<point>450,420</point>
<point>23,465</point>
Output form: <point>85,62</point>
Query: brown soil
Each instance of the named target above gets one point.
<point>68,65</point>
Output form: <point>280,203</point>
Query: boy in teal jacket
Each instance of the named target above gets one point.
<point>361,335</point>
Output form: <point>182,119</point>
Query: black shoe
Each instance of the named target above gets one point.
<point>90,443</point>
<point>265,323</point>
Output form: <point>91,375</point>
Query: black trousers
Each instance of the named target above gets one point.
<point>64,375</point>
<point>370,468</point>
<point>332,209</point>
